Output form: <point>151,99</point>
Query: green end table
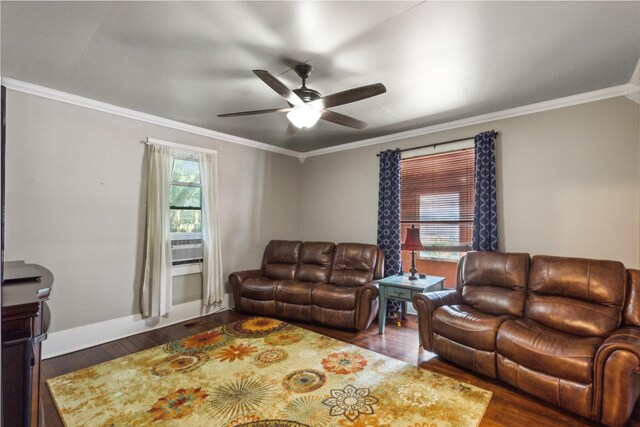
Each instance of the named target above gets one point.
<point>402,289</point>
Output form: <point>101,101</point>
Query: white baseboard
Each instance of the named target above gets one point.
<point>74,339</point>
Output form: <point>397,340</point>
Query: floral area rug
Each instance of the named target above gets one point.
<point>263,372</point>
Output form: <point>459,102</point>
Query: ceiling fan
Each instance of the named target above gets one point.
<point>307,106</point>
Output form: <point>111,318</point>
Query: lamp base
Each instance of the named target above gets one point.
<point>413,270</point>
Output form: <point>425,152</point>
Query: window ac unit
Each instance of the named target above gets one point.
<point>186,251</point>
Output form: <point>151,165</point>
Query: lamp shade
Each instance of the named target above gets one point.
<point>412,242</point>
<point>303,116</point>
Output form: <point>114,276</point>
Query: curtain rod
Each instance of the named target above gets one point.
<point>434,145</point>
<point>153,141</point>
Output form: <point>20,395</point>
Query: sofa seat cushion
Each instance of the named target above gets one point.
<point>545,350</point>
<point>259,288</point>
<point>467,326</point>
<point>294,292</point>
<point>334,297</point>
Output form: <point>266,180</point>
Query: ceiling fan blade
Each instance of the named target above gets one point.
<point>279,87</point>
<point>291,131</point>
<point>351,95</point>
<point>341,119</point>
<point>250,113</point>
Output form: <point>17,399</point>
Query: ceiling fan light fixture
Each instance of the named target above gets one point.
<point>303,116</point>
<point>307,106</point>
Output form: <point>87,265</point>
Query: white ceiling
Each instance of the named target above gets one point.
<point>440,61</point>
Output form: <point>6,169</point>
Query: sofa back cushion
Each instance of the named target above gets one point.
<point>354,264</point>
<point>315,261</point>
<point>281,259</point>
<point>575,295</point>
<point>494,283</point>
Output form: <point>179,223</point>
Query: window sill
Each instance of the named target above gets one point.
<point>185,269</point>
<point>185,236</point>
<point>439,260</point>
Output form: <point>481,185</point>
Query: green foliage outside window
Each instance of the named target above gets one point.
<point>185,197</point>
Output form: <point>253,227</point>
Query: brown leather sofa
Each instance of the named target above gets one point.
<point>313,281</point>
<point>563,329</point>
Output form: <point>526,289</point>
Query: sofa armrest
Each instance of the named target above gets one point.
<point>617,383</point>
<point>370,288</point>
<point>366,305</point>
<point>425,304</point>
<point>236,279</point>
<point>626,338</point>
<point>433,300</point>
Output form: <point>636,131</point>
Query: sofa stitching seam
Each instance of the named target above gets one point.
<point>546,354</point>
<point>574,305</point>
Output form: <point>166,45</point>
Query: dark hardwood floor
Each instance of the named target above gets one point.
<point>508,406</point>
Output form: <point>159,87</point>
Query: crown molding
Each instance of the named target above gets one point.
<point>56,95</point>
<point>567,101</point>
<point>634,95</point>
<point>635,77</point>
<point>630,90</point>
<point>634,91</point>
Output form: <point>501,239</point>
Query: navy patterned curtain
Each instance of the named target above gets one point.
<point>389,210</point>
<point>389,216</point>
<point>485,212</point>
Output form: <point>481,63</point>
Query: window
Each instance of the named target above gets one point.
<point>185,200</point>
<point>437,196</point>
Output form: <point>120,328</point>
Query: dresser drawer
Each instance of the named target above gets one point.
<point>399,293</point>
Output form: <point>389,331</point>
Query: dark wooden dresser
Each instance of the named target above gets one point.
<point>25,321</point>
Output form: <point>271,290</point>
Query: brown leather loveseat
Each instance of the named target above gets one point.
<point>313,281</point>
<point>566,330</point>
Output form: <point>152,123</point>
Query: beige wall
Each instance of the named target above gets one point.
<point>75,200</point>
<point>568,183</point>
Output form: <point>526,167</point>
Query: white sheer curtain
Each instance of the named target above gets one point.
<point>156,283</point>
<point>212,281</point>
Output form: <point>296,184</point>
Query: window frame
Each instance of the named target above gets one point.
<point>195,266</point>
<point>428,151</point>
<point>181,235</point>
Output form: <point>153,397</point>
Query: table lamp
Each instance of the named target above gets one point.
<point>412,243</point>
